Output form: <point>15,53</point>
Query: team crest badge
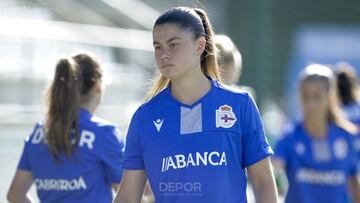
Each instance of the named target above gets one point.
<point>225,117</point>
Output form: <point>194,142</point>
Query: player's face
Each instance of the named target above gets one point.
<point>176,50</point>
<point>314,99</point>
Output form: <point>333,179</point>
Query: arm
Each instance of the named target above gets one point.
<point>131,187</point>
<point>112,155</point>
<point>115,187</point>
<point>148,196</point>
<point>354,188</point>
<point>280,175</point>
<point>278,163</point>
<point>19,187</point>
<point>262,178</point>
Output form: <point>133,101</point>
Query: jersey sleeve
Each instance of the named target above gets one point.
<point>133,151</point>
<point>24,163</point>
<point>254,141</point>
<point>113,154</point>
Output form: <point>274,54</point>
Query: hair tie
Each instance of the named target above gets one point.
<point>62,79</point>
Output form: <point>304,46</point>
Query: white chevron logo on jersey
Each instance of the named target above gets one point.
<point>158,123</point>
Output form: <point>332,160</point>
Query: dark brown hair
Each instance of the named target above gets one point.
<point>194,20</point>
<point>347,83</point>
<point>74,77</point>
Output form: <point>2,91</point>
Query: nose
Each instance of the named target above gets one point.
<point>165,57</point>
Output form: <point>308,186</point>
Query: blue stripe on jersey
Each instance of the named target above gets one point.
<point>198,152</point>
<point>88,175</point>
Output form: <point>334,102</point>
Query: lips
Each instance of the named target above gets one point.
<point>167,65</point>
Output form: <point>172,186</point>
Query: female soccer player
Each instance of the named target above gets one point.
<point>230,63</point>
<point>317,153</point>
<point>72,156</point>
<point>348,91</point>
<point>194,139</point>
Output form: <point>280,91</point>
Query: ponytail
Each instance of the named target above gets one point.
<point>347,83</point>
<point>336,115</point>
<point>197,21</point>
<point>160,82</point>
<point>63,105</point>
<point>209,63</point>
<point>73,80</point>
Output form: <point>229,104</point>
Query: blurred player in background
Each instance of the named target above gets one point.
<point>348,90</point>
<point>194,139</point>
<point>230,63</point>
<point>71,156</point>
<point>317,153</point>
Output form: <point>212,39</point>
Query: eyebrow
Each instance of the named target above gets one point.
<point>167,41</point>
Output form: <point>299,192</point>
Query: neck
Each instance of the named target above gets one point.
<point>90,106</point>
<point>316,127</point>
<point>190,88</point>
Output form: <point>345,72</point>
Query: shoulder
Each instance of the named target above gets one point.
<point>37,132</point>
<point>340,132</point>
<point>36,136</point>
<point>352,110</point>
<point>235,94</point>
<point>352,105</point>
<point>158,98</point>
<point>98,122</point>
<point>101,123</point>
<point>149,106</point>
<point>230,90</point>
<point>289,132</point>
<point>102,128</point>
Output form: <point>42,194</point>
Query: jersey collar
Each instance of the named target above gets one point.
<point>213,83</point>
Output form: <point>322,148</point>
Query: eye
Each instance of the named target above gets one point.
<point>157,48</point>
<point>173,44</point>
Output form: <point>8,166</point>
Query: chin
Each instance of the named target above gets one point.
<point>175,74</point>
<point>169,75</point>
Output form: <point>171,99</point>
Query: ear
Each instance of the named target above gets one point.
<point>98,86</point>
<point>201,43</point>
